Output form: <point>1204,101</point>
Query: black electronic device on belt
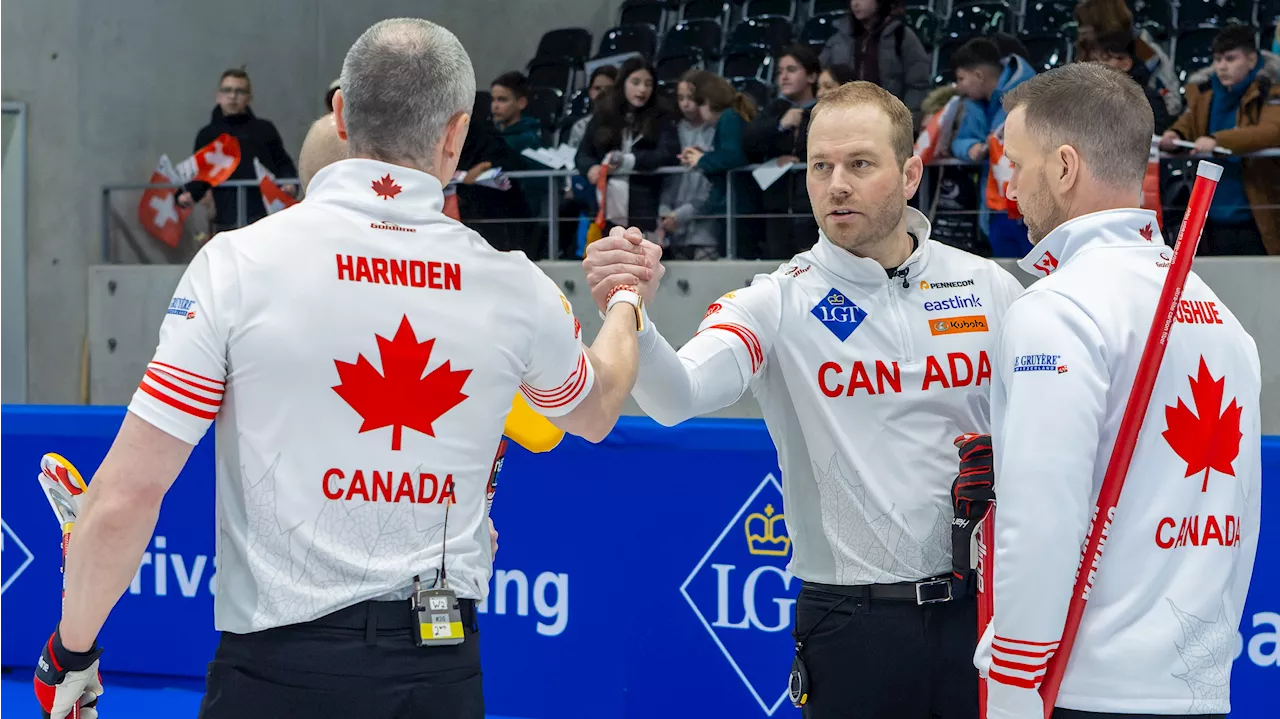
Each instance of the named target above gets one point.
<point>438,618</point>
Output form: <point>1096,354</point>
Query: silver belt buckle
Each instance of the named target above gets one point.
<point>920,600</point>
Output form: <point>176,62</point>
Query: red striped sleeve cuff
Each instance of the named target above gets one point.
<point>564,395</point>
<point>1020,663</point>
<point>191,393</point>
<point>747,337</point>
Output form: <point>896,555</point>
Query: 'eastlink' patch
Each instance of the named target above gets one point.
<point>1037,363</point>
<point>839,314</point>
<point>182,307</point>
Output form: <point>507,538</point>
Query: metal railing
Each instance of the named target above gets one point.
<point>552,217</point>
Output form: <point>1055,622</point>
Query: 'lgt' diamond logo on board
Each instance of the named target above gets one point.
<point>743,595</point>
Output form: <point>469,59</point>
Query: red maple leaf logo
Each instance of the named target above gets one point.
<point>386,187</point>
<point>1047,263</point>
<point>1210,441</point>
<point>400,396</point>
<point>1147,232</point>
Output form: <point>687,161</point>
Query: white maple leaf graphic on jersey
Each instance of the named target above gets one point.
<point>1207,650</point>
<point>1003,172</point>
<point>888,550</point>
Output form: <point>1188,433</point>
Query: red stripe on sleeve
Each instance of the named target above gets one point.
<point>154,376</point>
<point>1007,640</point>
<point>551,394</point>
<point>748,338</point>
<point>561,397</point>
<point>176,403</point>
<point>1018,667</point>
<point>1013,681</point>
<point>193,374</point>
<point>1021,652</point>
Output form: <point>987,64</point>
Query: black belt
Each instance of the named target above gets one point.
<point>926,591</point>
<point>372,616</point>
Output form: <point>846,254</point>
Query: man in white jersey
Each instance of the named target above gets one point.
<point>868,354</point>
<point>1158,634</point>
<point>360,351</point>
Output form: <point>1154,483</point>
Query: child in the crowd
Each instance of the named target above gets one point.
<point>728,111</point>
<point>834,76</point>
<point>602,80</point>
<point>686,235</point>
<point>509,96</point>
<point>1116,50</point>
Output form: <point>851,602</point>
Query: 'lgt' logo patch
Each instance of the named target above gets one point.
<point>839,314</point>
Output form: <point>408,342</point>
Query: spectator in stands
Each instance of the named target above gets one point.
<point>508,98</point>
<point>984,77</point>
<point>482,151</point>
<point>685,234</point>
<point>779,134</point>
<point>1235,105</point>
<point>874,41</point>
<point>258,138</point>
<point>632,129</point>
<point>321,147</point>
<point>728,111</point>
<point>328,97</point>
<point>1116,50</point>
<point>602,80</point>
<point>1097,18</point>
<point>834,76</point>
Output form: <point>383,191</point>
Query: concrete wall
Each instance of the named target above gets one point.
<point>110,86</point>
<point>127,305</point>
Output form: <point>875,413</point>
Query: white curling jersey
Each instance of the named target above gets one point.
<point>359,351</point>
<point>864,381</point>
<point>1159,630</point>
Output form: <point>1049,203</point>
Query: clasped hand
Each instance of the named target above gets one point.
<point>624,257</point>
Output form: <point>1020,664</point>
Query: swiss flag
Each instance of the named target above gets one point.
<point>274,198</point>
<point>937,131</point>
<point>159,214</point>
<point>212,163</point>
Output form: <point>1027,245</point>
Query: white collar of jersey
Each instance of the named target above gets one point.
<point>380,189</point>
<point>848,266</point>
<point>1125,227</point>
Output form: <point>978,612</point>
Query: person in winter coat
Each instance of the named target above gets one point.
<point>685,234</point>
<point>875,42</point>
<point>509,96</point>
<point>632,129</point>
<point>258,138</point>
<point>1116,50</point>
<point>984,77</point>
<point>602,80</point>
<point>1235,105</point>
<point>729,111</point>
<point>778,133</point>
<point>481,151</point>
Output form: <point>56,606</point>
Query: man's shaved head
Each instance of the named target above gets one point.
<point>322,148</point>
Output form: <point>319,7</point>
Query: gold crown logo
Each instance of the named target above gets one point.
<point>835,298</point>
<point>767,543</point>
<point>924,285</point>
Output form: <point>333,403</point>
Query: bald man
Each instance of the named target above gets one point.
<point>321,148</point>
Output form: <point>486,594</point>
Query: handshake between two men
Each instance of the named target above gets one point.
<point>623,257</point>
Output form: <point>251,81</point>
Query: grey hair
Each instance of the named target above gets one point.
<point>1098,110</point>
<point>402,81</point>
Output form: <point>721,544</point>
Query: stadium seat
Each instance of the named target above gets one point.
<point>671,67</point>
<point>552,72</point>
<point>642,12</point>
<point>1154,16</point>
<point>1045,17</point>
<point>718,10</point>
<point>1268,12</point>
<point>628,38</point>
<point>926,24</point>
<point>1047,51</point>
<point>1192,51</point>
<point>570,43</point>
<point>943,74</point>
<point>704,36</point>
<point>770,8</point>
<point>1212,13</point>
<point>748,63</point>
<point>816,31</point>
<point>759,92</point>
<point>579,104</point>
<point>545,104</point>
<point>828,7</point>
<point>768,32</point>
<point>975,19</point>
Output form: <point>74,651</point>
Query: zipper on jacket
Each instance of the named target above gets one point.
<point>897,311</point>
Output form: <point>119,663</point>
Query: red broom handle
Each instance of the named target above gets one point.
<point>1207,176</point>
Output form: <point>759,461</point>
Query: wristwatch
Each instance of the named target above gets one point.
<point>627,294</point>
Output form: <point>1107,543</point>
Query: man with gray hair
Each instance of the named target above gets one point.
<point>359,352</point>
<point>1180,545</point>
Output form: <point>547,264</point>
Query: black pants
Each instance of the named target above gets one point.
<point>1220,239</point>
<point>357,662</point>
<point>1074,714</point>
<point>881,659</point>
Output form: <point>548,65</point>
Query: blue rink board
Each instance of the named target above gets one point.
<point>630,590</point>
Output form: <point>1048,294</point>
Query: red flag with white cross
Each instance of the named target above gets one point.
<point>273,198</point>
<point>159,214</point>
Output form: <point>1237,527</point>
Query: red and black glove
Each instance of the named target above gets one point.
<point>68,683</point>
<point>972,495</point>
